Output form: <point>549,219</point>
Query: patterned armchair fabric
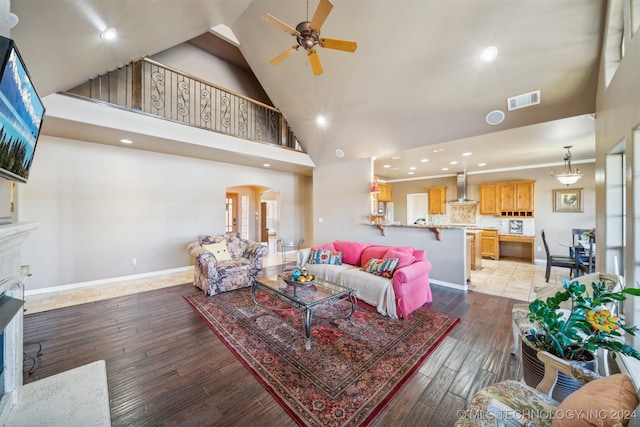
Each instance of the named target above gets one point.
<point>213,276</point>
<point>510,402</point>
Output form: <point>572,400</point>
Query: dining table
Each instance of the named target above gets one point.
<point>581,250</point>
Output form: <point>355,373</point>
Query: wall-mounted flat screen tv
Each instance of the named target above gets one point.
<point>21,114</point>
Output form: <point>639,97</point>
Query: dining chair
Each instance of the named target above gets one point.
<point>557,260</point>
<point>587,263</point>
<point>575,250</point>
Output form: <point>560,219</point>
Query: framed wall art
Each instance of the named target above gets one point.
<point>568,200</point>
<point>515,226</point>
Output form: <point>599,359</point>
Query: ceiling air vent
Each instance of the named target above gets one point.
<point>524,100</point>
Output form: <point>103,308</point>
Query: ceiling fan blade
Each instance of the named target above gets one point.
<point>270,19</point>
<point>345,45</point>
<point>284,55</point>
<point>315,62</point>
<point>320,15</point>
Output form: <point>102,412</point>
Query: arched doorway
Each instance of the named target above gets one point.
<point>269,217</point>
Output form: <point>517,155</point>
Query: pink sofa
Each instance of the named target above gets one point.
<point>396,296</point>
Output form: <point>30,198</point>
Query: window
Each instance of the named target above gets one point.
<point>244,221</point>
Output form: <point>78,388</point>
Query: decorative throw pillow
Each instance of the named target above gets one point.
<point>351,251</point>
<point>327,246</point>
<point>381,267</point>
<point>207,240</point>
<point>325,256</point>
<point>602,403</point>
<point>219,250</point>
<point>236,245</point>
<point>403,258</point>
<point>373,252</point>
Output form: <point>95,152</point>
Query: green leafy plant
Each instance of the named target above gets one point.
<point>586,325</point>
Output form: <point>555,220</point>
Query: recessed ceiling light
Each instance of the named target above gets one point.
<point>412,168</point>
<point>321,121</point>
<point>339,153</point>
<point>455,162</point>
<point>410,173</point>
<point>488,54</point>
<point>386,166</point>
<point>395,158</point>
<point>468,153</point>
<point>126,141</point>
<point>109,34</point>
<point>424,160</point>
<point>482,164</point>
<point>438,150</point>
<point>445,169</point>
<point>266,165</point>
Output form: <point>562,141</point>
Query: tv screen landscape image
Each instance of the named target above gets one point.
<point>21,114</point>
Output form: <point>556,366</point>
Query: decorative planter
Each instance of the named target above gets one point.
<point>533,371</point>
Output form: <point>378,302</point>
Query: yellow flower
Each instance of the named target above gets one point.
<point>602,320</point>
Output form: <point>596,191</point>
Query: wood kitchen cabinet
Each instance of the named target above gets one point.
<point>489,199</point>
<point>475,249</point>
<point>385,192</point>
<point>490,244</point>
<point>437,200</point>
<point>516,198</point>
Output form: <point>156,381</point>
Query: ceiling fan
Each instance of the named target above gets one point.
<point>307,34</point>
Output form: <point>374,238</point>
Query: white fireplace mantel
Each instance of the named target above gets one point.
<point>12,236</point>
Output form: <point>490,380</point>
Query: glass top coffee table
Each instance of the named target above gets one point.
<point>306,297</point>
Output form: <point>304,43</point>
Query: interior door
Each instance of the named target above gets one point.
<point>417,204</point>
<point>231,225</point>
<point>264,230</point>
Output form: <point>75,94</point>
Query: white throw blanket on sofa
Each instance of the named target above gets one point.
<point>375,290</point>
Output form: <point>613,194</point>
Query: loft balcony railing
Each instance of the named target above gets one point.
<point>147,86</point>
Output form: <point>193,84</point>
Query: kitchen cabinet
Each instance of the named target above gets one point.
<point>475,249</point>
<point>437,200</point>
<point>508,199</point>
<point>490,245</point>
<point>489,199</point>
<point>469,249</point>
<point>385,192</point>
<point>516,198</point>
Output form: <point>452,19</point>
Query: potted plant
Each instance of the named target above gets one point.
<point>573,324</point>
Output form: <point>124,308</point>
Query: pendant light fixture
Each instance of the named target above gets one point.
<point>568,176</point>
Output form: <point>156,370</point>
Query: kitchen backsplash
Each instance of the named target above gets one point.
<point>525,227</point>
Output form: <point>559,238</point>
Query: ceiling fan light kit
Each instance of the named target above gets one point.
<point>307,34</point>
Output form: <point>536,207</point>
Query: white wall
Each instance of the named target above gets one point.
<point>100,206</point>
<point>193,60</point>
<point>617,116</point>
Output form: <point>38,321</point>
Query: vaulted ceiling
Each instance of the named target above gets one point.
<point>414,83</point>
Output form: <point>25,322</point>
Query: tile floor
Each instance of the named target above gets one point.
<point>511,279</point>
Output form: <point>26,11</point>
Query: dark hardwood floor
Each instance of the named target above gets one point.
<point>166,367</point>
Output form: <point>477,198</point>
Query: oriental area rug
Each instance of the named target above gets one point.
<point>351,372</point>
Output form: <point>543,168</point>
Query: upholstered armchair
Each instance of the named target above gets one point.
<point>602,401</point>
<point>225,262</point>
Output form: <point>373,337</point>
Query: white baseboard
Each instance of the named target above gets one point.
<point>449,284</point>
<point>104,281</point>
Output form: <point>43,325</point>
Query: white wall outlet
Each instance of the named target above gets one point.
<point>539,249</point>
<point>320,219</point>
<point>134,261</point>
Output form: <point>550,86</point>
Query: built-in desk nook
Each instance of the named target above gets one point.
<point>517,246</point>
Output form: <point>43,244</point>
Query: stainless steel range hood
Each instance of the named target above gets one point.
<point>461,184</point>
